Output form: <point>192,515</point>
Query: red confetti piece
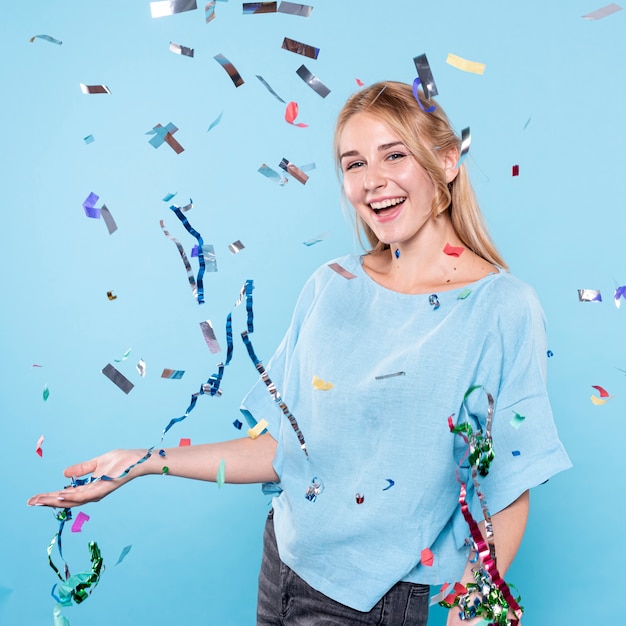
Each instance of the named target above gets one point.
<point>427,557</point>
<point>360,498</point>
<point>603,392</point>
<point>291,113</point>
<point>81,518</point>
<point>39,449</point>
<point>453,250</point>
<point>184,442</point>
<point>515,170</point>
<point>359,82</point>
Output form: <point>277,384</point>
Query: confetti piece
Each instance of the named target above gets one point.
<point>550,353</point>
<point>260,426</point>
<point>88,139</point>
<point>46,393</point>
<point>603,392</point>
<point>237,424</point>
<point>141,368</point>
<point>589,295</point>
<point>118,378</point>
<point>252,8</point>
<point>317,239</point>
<point>599,401</point>
<point>165,134</point>
<point>384,376</point>
<point>456,251</point>
<point>312,81</point>
<point>464,294</point>
<point>210,260</point>
<point>527,123</point>
<point>39,449</point>
<point>36,365</point>
<point>94,89</point>
<point>215,122</point>
<point>269,88</point>
<point>194,251</point>
<point>291,113</point>
<point>466,140</point>
<point>463,64</point>
<point>320,384</point>
<point>176,48</point>
<point>292,8</point>
<point>515,452</point>
<point>390,485</point>
<point>605,11</point>
<point>221,473</point>
<point>359,498</point>
<point>427,557</point>
<point>209,11</point>
<point>89,205</point>
<point>434,301</point>
<point>209,336</point>
<point>517,419</point>
<point>229,69</point>
<point>123,554</point>
<point>426,76</point>
<point>171,7</point>
<point>183,256</point>
<point>184,441</point>
<point>268,172</point>
<point>236,246</point>
<point>359,82</point>
<point>294,171</point>
<point>165,470</point>
<point>108,219</point>
<point>620,292</point>
<point>81,518</point>
<point>341,271</point>
<point>416,84</point>
<point>169,196</point>
<point>46,38</point>
<point>300,48</point>
<point>124,356</point>
<point>515,170</point>
<point>172,374</point>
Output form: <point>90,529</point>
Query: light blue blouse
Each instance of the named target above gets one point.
<point>379,439</point>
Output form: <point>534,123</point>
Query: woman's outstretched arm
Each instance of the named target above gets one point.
<point>246,461</point>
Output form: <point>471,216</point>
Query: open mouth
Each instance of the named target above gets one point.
<point>384,205</point>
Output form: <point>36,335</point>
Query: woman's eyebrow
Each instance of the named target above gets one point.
<point>381,148</point>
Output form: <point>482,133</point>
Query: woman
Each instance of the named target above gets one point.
<point>427,325</point>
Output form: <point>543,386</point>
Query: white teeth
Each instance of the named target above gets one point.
<point>385,204</point>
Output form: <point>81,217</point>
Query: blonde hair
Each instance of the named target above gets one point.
<point>395,105</point>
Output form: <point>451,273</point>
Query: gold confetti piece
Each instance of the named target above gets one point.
<point>600,401</point>
<point>261,425</point>
<point>463,64</point>
<point>320,384</point>
<point>110,295</point>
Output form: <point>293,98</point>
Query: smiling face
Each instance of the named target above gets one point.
<point>390,191</point>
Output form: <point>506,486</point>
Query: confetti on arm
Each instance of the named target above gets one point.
<point>39,449</point>
<point>252,8</point>
<point>312,81</point>
<point>215,122</point>
<point>300,48</point>
<point>172,374</point>
<point>184,51</point>
<point>605,11</point>
<point>123,554</point>
<point>291,113</point>
<point>162,8</point>
<point>184,442</point>
<point>464,65</point>
<point>292,8</point>
<point>341,271</point>
<point>236,246</point>
<point>258,429</point>
<point>209,336</point>
<point>94,89</point>
<point>320,384</point>
<point>466,140</point>
<point>221,473</point>
<point>456,251</point>
<point>81,518</point>
<point>230,69</point>
<point>46,38</point>
<point>589,295</point>
<point>116,377</point>
<point>426,76</point>
<point>295,171</point>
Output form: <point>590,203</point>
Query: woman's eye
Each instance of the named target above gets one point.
<point>353,165</point>
<point>394,156</point>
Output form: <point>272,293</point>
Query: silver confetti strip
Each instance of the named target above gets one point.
<point>312,81</point>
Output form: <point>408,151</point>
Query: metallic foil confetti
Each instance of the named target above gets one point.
<point>209,11</point>
<point>215,122</point>
<point>464,65</point>
<point>169,196</point>
<point>252,8</point>
<point>397,253</point>
<point>605,11</point>
<point>466,140</point>
<point>589,295</point>
<point>45,393</point>
<point>124,356</point>
<point>294,171</point>
<point>416,95</point>
<point>317,239</point>
<point>209,336</point>
<point>426,76</point>
<point>184,442</point>
<point>390,485</point>
<point>172,374</point>
<point>433,300</point>
<point>257,429</point>
<point>293,8</point>
<point>268,172</point>
<point>320,384</point>
<point>620,292</point>
<point>464,294</point>
<point>291,113</point>
<point>123,554</point>
<point>165,134</point>
<point>77,525</point>
<point>165,470</point>
<point>176,48</point>
<point>108,219</point>
<point>312,81</point>
<point>300,48</point>
<point>237,424</point>
<point>220,477</point>
<point>183,256</point>
<point>236,246</point>
<point>89,205</point>
<point>39,449</point>
<point>164,8</point>
<point>360,498</point>
<point>269,88</point>
<point>517,420</point>
<point>46,38</point>
<point>549,353</point>
<point>88,139</point>
<point>341,271</point>
<point>314,489</point>
<point>118,378</point>
<point>141,368</point>
<point>210,260</point>
<point>384,376</point>
<point>94,89</point>
<point>77,588</point>
<point>427,558</point>
<point>229,69</point>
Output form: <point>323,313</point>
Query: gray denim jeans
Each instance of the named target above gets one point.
<point>286,600</point>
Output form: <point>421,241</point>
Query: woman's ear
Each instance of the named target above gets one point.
<point>450,164</point>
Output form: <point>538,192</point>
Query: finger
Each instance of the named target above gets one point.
<point>80,469</point>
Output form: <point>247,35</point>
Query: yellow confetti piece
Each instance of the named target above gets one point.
<point>320,384</point>
<point>261,425</point>
<point>600,401</point>
<point>464,65</point>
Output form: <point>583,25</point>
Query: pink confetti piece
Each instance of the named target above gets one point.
<point>291,113</point>
<point>39,449</point>
<point>603,392</point>
<point>605,11</point>
<point>341,271</point>
<point>427,557</point>
<point>456,251</point>
<point>184,441</point>
<point>359,82</point>
<point>81,518</point>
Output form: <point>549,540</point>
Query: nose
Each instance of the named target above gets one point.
<point>373,179</point>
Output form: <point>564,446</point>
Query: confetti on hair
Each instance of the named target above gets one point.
<point>236,246</point>
<point>427,558</point>
<point>111,296</point>
<point>385,376</point>
<point>46,392</point>
<point>257,429</point>
<point>165,134</point>
<point>123,554</point>
<point>294,171</point>
<point>313,81</point>
<point>515,170</point>
<point>268,172</point>
<point>118,378</point>
<point>176,48</point>
<point>390,485</point>
<point>124,356</point>
<point>172,374</point>
<point>209,11</point>
<point>163,8</point>
<point>215,122</point>
<point>589,295</point>
<point>464,294</point>
<point>517,420</point>
<point>183,256</point>
<point>230,69</point>
<point>620,292</point>
<point>466,140</point>
<point>141,368</point>
<point>94,89</point>
<point>209,336</point>
<point>81,518</point>
<point>46,38</point>
<point>464,65</point>
<point>416,95</point>
<point>184,442</point>
<point>605,11</point>
<point>292,8</point>
<point>450,250</point>
<point>269,88</point>
<point>341,271</point>
<point>291,113</point>
<point>426,76</point>
<point>88,139</point>
<point>300,48</point>
<point>220,477</point>
<point>89,206</point>
<point>320,384</point>
<point>252,8</point>
<point>39,449</point>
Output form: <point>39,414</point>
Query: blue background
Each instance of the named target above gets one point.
<point>196,548</point>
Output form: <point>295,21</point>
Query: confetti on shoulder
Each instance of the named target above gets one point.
<point>341,271</point>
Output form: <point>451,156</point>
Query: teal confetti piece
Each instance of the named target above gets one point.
<point>466,292</point>
<point>517,419</point>
<point>124,356</point>
<point>215,122</point>
<point>125,551</point>
<point>169,196</point>
<point>46,393</point>
<point>88,139</point>
<point>221,473</point>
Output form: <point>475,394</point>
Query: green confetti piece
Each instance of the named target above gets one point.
<point>517,419</point>
<point>46,393</point>
<point>472,388</point>
<point>124,356</point>
<point>221,473</point>
<point>466,292</point>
